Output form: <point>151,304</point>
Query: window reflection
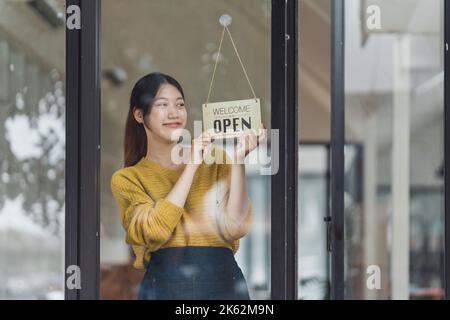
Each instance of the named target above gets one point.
<point>313,270</point>
<point>176,42</point>
<point>394,214</point>
<point>32,154</point>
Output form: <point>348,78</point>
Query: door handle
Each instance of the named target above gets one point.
<point>328,221</point>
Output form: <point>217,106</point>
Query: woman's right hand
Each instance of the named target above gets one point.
<point>201,146</point>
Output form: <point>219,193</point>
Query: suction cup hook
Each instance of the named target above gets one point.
<point>225,20</point>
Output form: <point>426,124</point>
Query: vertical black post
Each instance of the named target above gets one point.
<point>292,147</point>
<point>83,150</point>
<point>72,151</point>
<point>447,148</point>
<point>337,148</point>
<point>89,231</point>
<point>284,183</point>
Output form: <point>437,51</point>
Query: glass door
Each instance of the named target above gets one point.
<point>32,150</point>
<point>181,38</point>
<point>121,41</point>
<point>314,51</point>
<point>394,213</point>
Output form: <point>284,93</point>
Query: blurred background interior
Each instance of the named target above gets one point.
<point>394,205</point>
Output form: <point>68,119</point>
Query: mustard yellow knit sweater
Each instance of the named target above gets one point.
<point>151,222</point>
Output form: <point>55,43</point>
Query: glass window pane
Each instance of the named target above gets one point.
<point>313,206</point>
<point>394,205</point>
<point>314,137</point>
<point>181,38</point>
<point>32,151</point>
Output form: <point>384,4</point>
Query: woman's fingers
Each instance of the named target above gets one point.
<point>202,146</point>
<point>205,136</point>
<point>263,136</point>
<point>252,141</point>
<point>208,134</point>
<point>207,149</point>
<point>248,141</point>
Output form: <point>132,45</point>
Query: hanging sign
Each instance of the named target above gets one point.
<point>229,119</point>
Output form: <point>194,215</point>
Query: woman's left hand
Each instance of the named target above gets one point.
<point>248,141</point>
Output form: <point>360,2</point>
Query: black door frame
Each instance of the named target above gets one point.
<point>82,247</point>
<point>337,148</point>
<point>284,271</point>
<point>82,225</point>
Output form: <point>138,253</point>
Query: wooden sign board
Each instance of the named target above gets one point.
<point>229,119</point>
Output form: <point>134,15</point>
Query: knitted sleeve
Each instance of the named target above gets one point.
<point>146,222</point>
<point>231,229</point>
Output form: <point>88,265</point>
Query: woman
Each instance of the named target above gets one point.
<point>184,221</point>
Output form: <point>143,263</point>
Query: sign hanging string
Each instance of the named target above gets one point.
<point>225,28</point>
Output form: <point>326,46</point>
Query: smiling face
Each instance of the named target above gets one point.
<point>168,113</point>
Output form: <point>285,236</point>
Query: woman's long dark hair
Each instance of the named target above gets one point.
<point>142,97</point>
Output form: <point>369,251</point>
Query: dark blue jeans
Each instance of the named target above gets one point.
<point>193,273</point>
